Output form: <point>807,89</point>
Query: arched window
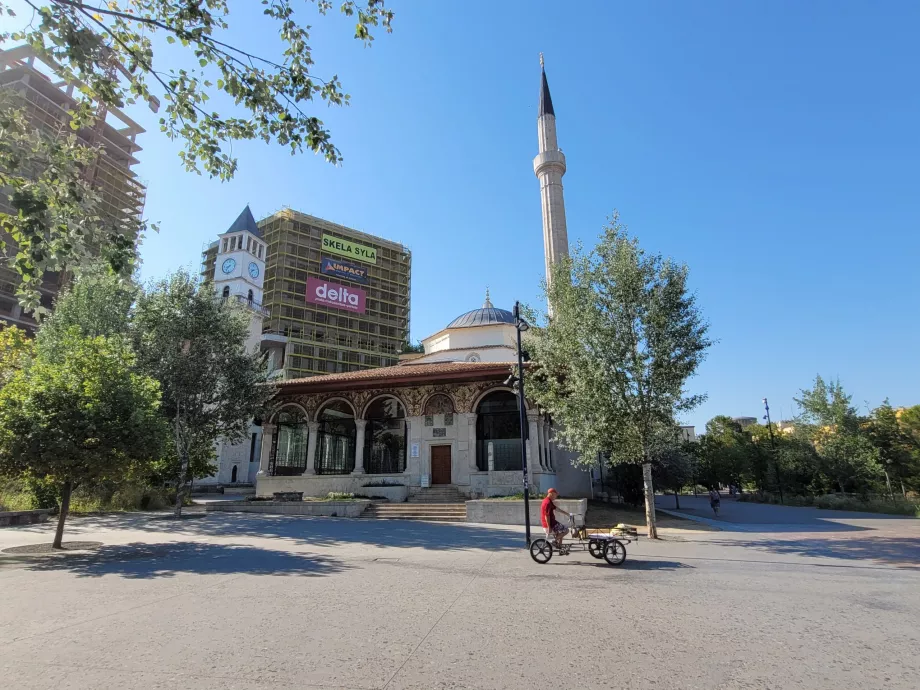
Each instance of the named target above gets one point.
<point>249,297</point>
<point>336,441</point>
<point>233,475</point>
<point>289,452</point>
<point>498,433</point>
<point>439,404</point>
<point>226,292</point>
<point>385,437</point>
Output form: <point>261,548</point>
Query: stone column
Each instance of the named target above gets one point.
<point>360,425</point>
<point>471,420</point>
<point>533,457</point>
<point>312,438</point>
<point>545,434</point>
<point>268,434</point>
<point>409,429</point>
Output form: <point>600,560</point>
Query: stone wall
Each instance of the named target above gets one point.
<point>322,485</point>
<point>498,512</point>
<point>351,509</point>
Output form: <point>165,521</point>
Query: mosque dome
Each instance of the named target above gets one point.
<point>485,316</point>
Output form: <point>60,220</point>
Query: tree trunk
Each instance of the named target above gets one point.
<point>903,490</point>
<point>62,516</point>
<point>649,500</point>
<point>677,500</point>
<point>180,484</point>
<point>888,483</point>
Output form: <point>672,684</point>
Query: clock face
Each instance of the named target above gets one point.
<point>253,269</point>
<point>228,266</point>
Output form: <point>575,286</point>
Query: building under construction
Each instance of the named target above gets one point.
<point>47,100</point>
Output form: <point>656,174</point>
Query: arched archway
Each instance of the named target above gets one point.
<point>385,436</point>
<point>439,403</point>
<point>249,297</point>
<point>233,475</point>
<point>226,292</point>
<point>335,448</point>
<point>289,444</point>
<point>498,432</point>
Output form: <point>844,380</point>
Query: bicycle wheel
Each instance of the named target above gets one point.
<point>541,551</point>
<point>596,548</point>
<point>615,553</point>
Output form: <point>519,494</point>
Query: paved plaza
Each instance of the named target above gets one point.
<point>232,601</point>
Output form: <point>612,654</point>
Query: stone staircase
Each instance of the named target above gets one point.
<point>437,504</point>
<point>436,494</point>
<point>435,512</point>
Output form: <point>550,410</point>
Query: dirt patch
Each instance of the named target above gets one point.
<point>42,549</point>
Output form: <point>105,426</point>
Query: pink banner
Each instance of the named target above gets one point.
<point>346,297</point>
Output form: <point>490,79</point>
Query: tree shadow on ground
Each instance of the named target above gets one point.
<point>315,531</point>
<point>900,552</point>
<point>145,561</point>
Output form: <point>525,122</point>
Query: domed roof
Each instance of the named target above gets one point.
<point>483,317</point>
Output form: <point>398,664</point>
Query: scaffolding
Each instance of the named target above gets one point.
<point>47,104</point>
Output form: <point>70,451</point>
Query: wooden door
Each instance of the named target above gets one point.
<point>440,464</point>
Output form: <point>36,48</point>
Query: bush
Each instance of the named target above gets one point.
<point>339,496</point>
<point>15,495</point>
<point>381,482</point>
<point>868,505</point>
<point>45,493</point>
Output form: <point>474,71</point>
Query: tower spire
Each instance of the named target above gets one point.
<point>549,167</point>
<point>488,303</point>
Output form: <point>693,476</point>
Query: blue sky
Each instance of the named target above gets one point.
<point>773,147</point>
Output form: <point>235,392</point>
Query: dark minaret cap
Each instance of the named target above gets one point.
<point>546,101</point>
<point>245,221</point>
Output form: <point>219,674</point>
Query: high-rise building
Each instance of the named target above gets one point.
<point>46,101</point>
<point>338,296</point>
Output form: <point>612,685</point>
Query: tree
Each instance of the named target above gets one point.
<point>97,302</point>
<point>909,421</point>
<point>612,360</point>
<point>194,345</point>
<point>109,50</point>
<point>845,454</point>
<point>674,468</point>
<point>896,448</point>
<point>81,416</point>
<point>15,349</point>
<point>409,348</point>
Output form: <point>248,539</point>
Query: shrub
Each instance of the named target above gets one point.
<point>868,505</point>
<point>339,496</point>
<point>45,493</point>
<point>381,482</point>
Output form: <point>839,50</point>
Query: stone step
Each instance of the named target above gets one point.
<point>441,512</point>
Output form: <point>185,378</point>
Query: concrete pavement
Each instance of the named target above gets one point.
<point>257,601</point>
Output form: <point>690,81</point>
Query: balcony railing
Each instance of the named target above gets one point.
<point>248,303</point>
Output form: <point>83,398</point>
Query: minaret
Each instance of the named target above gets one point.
<point>549,167</point>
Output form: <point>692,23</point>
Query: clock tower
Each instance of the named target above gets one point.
<point>239,269</point>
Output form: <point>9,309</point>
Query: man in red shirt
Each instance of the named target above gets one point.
<point>554,529</point>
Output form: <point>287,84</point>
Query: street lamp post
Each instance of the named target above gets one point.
<point>520,326</point>
<point>779,479</point>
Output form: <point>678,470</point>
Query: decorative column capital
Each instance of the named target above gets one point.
<point>313,427</point>
<point>360,424</point>
<point>269,428</point>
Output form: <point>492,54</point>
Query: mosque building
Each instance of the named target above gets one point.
<point>445,420</point>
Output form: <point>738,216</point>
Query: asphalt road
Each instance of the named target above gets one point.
<point>761,514</point>
<point>253,602</point>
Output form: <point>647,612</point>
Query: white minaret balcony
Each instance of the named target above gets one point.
<point>549,161</point>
